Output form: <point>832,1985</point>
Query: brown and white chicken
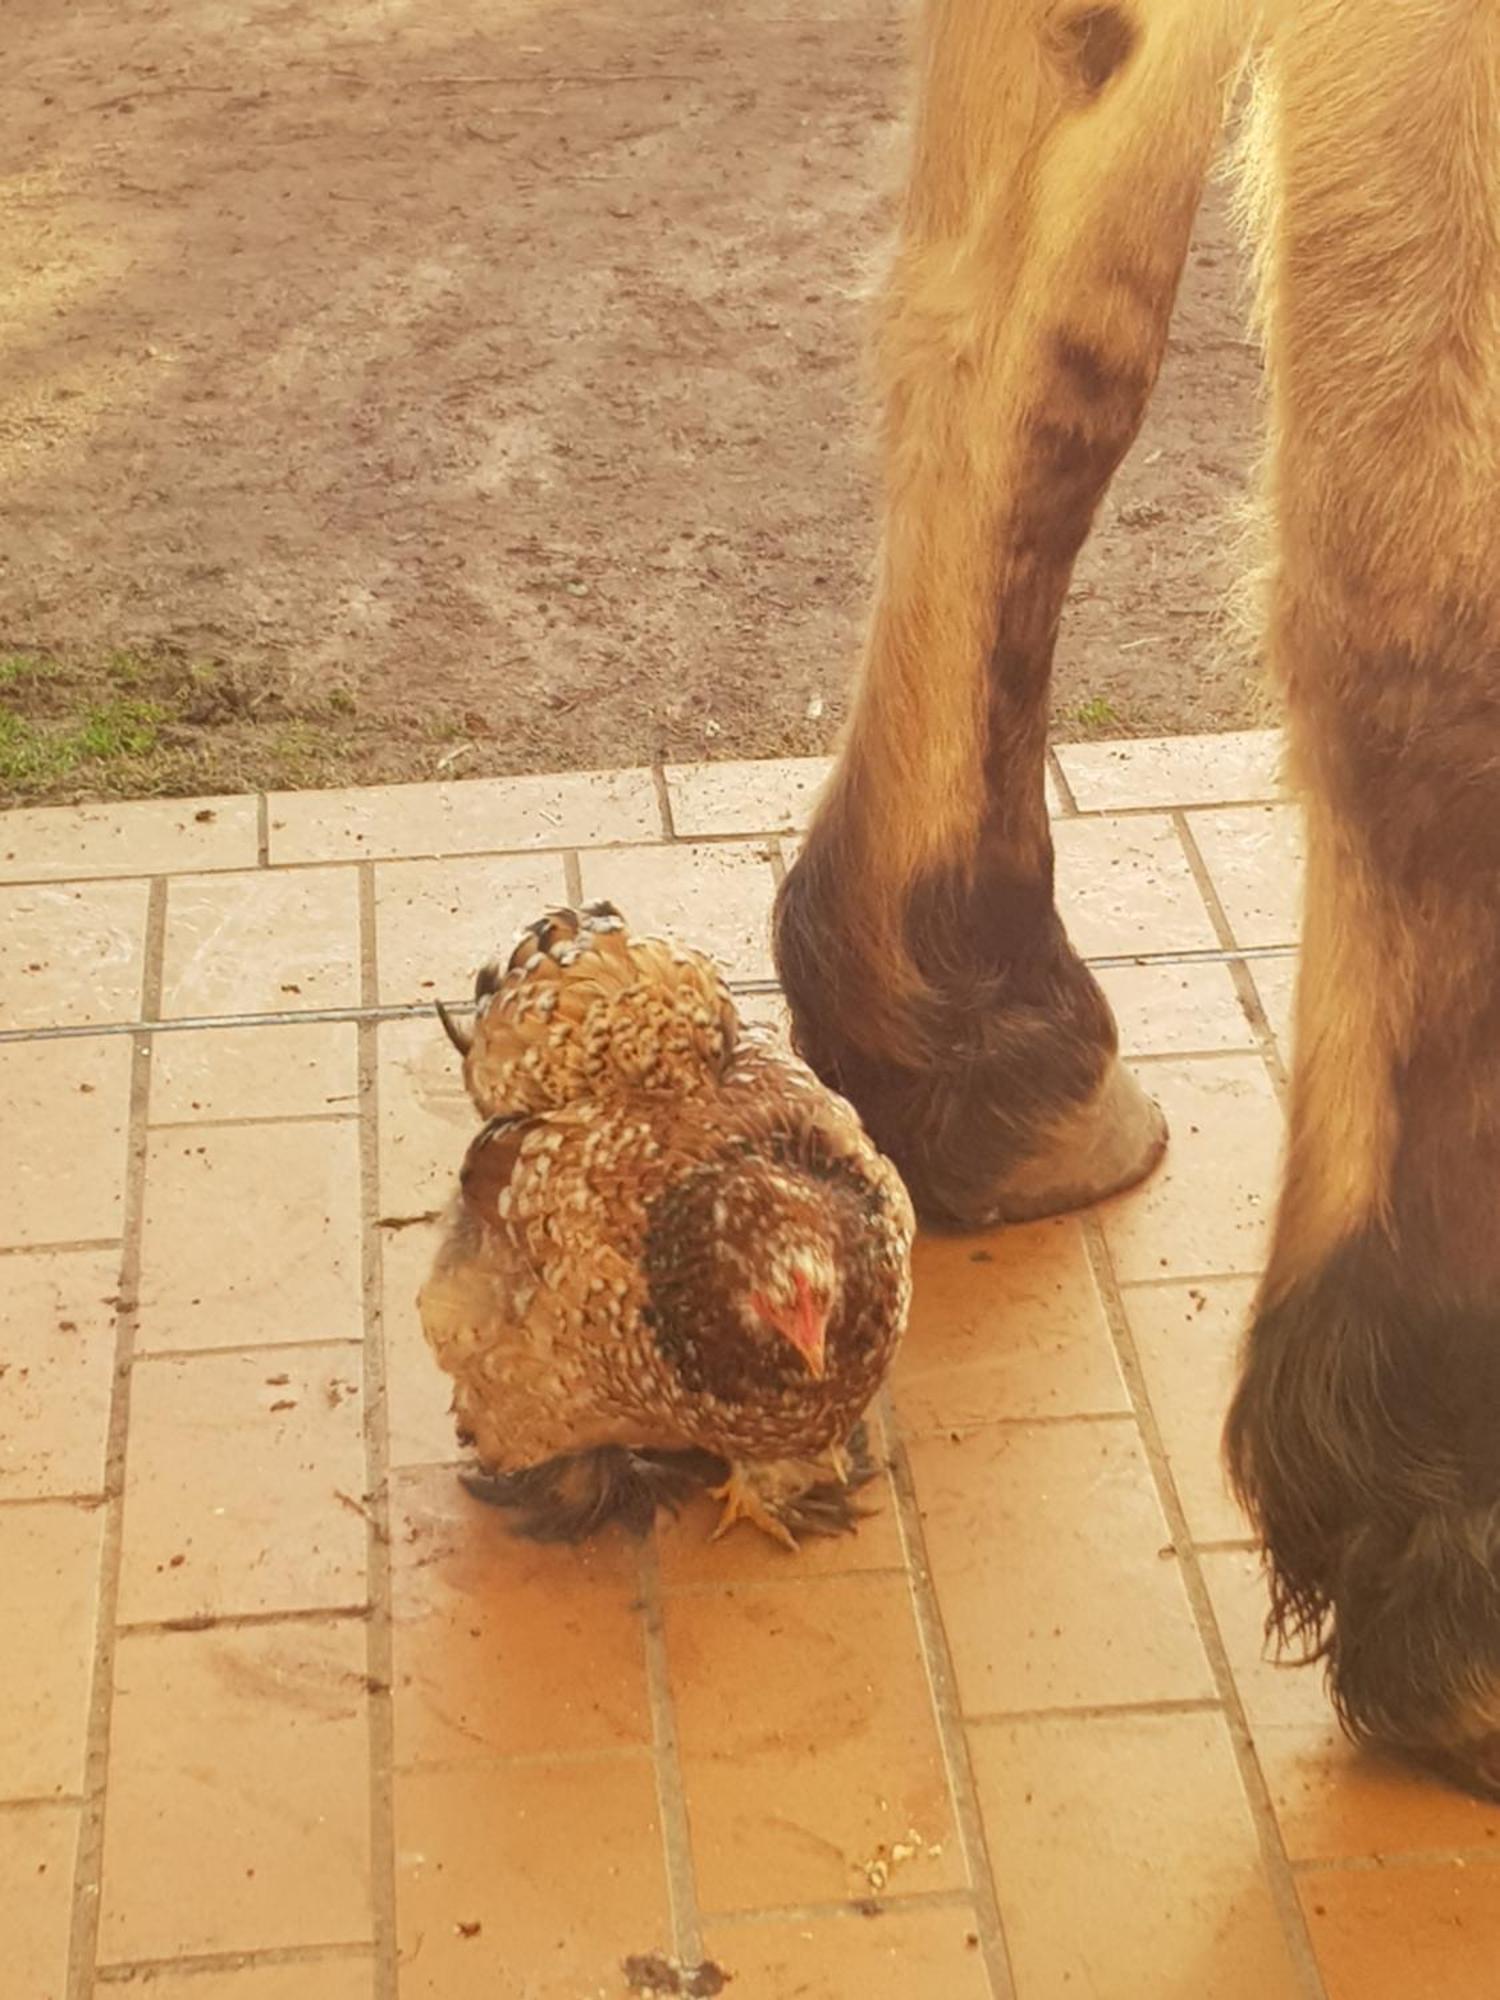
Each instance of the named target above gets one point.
<point>674,1253</point>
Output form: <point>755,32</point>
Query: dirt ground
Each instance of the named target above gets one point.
<point>474,385</point>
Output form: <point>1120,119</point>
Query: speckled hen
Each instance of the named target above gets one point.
<point>674,1256</point>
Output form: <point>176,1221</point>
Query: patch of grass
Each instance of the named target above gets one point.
<point>1095,713</point>
<point>129,724</point>
<point>30,759</point>
<point>26,670</point>
<point>120,728</point>
<point>45,753</point>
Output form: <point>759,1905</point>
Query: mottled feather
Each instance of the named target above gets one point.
<point>582,1009</point>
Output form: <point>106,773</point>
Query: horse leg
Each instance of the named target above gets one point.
<point>1365,1434</point>
<point>1059,158</point>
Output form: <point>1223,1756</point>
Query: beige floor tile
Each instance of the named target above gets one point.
<point>299,1070</point>
<point>1174,770</point>
<point>419,1395</point>
<point>426,1119</point>
<point>808,1744</point>
<point>1124,885</point>
<point>251,1237</point>
<point>1188,1339</point>
<point>1276,983</point>
<point>1208,1207</point>
<point>1054,1570</point>
<point>239,1765</point>
<point>145,837</point>
<point>37,1852</point>
<point>1335,1802</point>
<point>1332,1800</point>
<point>764,796</point>
<point>1171,1009</point>
<point>57,1353</point>
<point>1126,1862</point>
<point>770,1012</point>
<point>470,816</point>
<point>49,1612</point>
<point>71,955</point>
<point>716,898</point>
<point>437,922</point>
<point>504,1647</point>
<point>1007,1324</point>
<point>232,1487</point>
<point>261,943</point>
<point>66,1104</point>
<point>492,1896</point>
<point>1254,858</point>
<point>1406,1933</point>
<point>900,1955</point>
<point>1272,1691</point>
<point>305,1979</point>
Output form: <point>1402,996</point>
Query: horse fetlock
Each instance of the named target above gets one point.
<point>1362,1441</point>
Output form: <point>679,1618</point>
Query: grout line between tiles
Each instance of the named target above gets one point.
<point>243,1621</point>
<point>1274,1859</point>
<point>1038,1420</point>
<point>1390,1863</point>
<point>1067,798</point>
<point>88,1877</point>
<point>233,1124</point>
<point>1162,806</point>
<point>41,1801</point>
<point>862,1910</point>
<point>125,1970</point>
<point>267,1349</point>
<point>1101,1711</point>
<point>1246,1051</point>
<point>572,877</point>
<point>671,1791</point>
<point>379,1655</point>
<point>664,800</point>
<point>407,1468</point>
<point>948,1713</point>
<point>87,1501</point>
<point>525,851</point>
<point>530,1760</point>
<point>63,1246</point>
<point>731,1585</point>
<point>1245,988</point>
<point>1178,1280</point>
<point>411,1010</point>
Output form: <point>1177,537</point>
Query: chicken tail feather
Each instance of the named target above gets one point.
<point>568,1499</point>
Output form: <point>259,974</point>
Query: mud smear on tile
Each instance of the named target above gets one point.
<point>651,1977</point>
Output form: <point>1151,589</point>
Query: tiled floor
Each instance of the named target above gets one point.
<point>284,1716</point>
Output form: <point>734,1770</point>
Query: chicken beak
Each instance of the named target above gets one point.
<point>806,1327</point>
<point>803,1325</point>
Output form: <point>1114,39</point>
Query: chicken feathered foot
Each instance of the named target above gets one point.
<point>788,1498</point>
<point>744,1501</point>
